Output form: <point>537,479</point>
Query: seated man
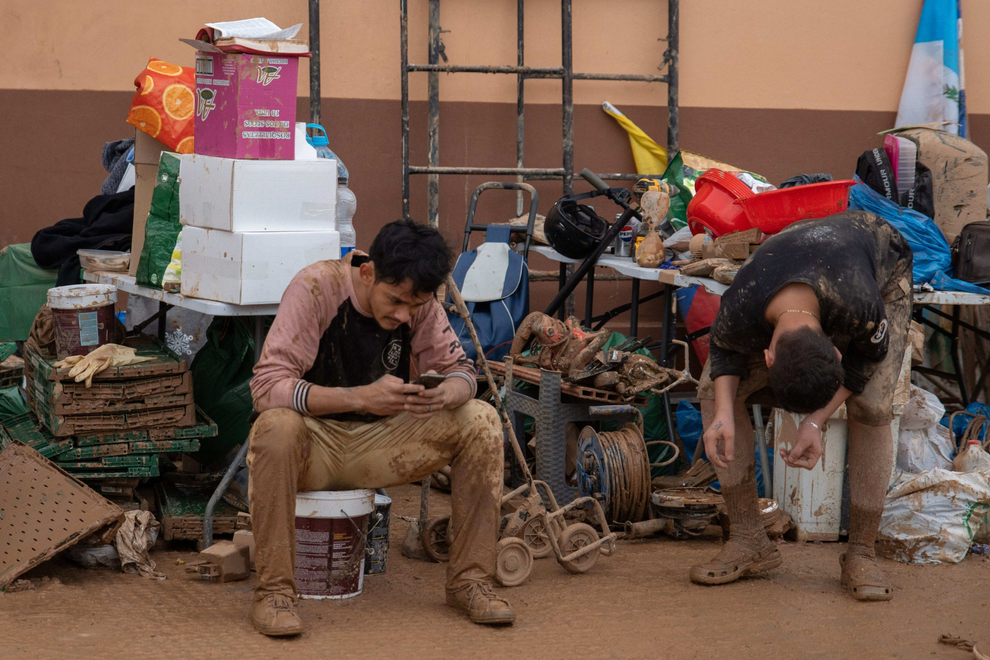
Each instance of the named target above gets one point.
<point>820,313</point>
<point>338,413</point>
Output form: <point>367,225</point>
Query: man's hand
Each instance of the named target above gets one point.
<point>450,394</point>
<point>720,439</point>
<point>807,450</point>
<point>387,396</point>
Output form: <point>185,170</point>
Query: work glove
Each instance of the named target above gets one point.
<point>84,367</point>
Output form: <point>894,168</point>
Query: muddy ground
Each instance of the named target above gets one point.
<point>636,604</point>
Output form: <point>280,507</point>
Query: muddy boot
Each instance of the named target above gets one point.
<point>275,615</point>
<point>870,459</point>
<point>749,551</point>
<point>861,576</point>
<point>480,603</point>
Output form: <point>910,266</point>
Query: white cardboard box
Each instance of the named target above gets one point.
<point>249,268</point>
<point>257,195</point>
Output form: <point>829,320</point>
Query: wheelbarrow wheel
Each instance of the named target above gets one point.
<point>534,534</point>
<point>573,538</point>
<point>435,539</point>
<point>513,562</point>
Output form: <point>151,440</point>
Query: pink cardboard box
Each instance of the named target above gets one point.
<point>246,105</point>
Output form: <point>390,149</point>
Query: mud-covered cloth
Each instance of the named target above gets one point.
<point>322,336</point>
<point>857,264</point>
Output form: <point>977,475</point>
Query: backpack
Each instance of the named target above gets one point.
<point>874,169</point>
<point>494,282</point>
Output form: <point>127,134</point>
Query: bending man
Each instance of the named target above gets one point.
<point>820,313</point>
<point>338,413</point>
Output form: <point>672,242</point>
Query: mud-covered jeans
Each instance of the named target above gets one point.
<point>290,452</point>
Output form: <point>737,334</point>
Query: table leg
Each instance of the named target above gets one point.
<point>562,310</point>
<point>589,298</point>
<point>634,310</point>
<point>163,309</point>
<point>956,362</point>
<point>666,334</point>
<point>259,337</point>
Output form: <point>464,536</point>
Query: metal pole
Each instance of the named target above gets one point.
<point>520,104</point>
<point>404,50</point>
<point>673,43</point>
<point>433,120</point>
<point>314,62</point>
<point>567,88</point>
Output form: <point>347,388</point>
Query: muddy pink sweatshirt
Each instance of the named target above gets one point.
<point>322,336</point>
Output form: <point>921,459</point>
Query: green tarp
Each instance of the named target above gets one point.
<point>23,290</point>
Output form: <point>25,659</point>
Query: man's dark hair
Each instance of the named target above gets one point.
<point>806,371</point>
<point>407,250</point>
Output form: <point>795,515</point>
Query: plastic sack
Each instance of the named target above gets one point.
<point>136,536</point>
<point>923,443</point>
<point>805,179</point>
<point>99,556</point>
<point>222,374</point>
<point>931,252</point>
<point>11,404</point>
<point>933,517</point>
<point>162,227</point>
<point>689,428</point>
<point>164,103</point>
<point>962,420</point>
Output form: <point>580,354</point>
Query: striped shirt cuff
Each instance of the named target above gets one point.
<point>468,377</point>
<point>300,396</point>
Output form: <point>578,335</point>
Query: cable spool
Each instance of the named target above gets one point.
<point>614,468</point>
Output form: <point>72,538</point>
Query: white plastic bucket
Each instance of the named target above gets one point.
<point>330,540</point>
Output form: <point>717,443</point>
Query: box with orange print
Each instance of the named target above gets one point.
<point>246,105</point>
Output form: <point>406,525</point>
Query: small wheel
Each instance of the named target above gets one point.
<point>573,538</point>
<point>513,562</point>
<point>534,534</point>
<point>434,539</point>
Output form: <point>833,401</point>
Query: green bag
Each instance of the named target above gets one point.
<point>162,227</point>
<point>222,373</point>
<point>683,177</point>
<point>23,290</point>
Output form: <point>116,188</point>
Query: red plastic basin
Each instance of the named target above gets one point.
<point>713,206</point>
<point>773,211</point>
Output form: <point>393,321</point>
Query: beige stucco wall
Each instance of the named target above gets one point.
<point>835,55</point>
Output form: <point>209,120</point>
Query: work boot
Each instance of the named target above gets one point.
<point>749,551</point>
<point>275,616</point>
<point>480,603</point>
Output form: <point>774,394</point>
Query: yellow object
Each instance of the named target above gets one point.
<point>84,367</point>
<point>651,184</point>
<point>650,157</point>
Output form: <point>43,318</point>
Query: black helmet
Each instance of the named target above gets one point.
<point>574,229</point>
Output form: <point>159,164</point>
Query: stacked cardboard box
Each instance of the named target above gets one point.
<point>117,428</point>
<point>254,212</point>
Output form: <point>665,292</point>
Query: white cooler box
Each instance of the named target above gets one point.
<point>249,268</point>
<point>257,195</point>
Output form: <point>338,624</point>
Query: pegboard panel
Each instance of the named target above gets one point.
<point>43,510</point>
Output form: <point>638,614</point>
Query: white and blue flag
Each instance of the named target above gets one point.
<point>934,87</point>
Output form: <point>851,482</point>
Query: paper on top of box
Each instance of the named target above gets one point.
<point>257,195</point>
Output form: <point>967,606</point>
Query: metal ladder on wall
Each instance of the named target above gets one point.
<point>565,72</point>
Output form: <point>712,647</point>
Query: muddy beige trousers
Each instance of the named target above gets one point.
<point>290,452</point>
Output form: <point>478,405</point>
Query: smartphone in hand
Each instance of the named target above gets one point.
<point>429,381</point>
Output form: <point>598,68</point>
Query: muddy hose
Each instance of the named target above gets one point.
<point>462,311</point>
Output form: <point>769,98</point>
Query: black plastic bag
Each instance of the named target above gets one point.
<point>805,179</point>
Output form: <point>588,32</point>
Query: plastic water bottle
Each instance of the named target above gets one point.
<point>346,200</point>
